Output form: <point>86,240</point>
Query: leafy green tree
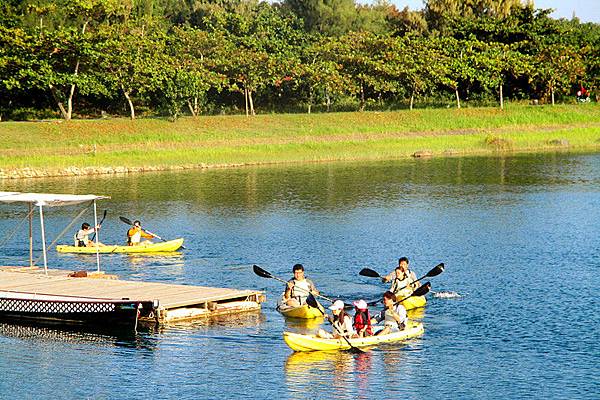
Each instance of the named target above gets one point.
<point>367,61</point>
<point>326,17</point>
<point>193,62</point>
<point>557,68</point>
<point>319,73</point>
<point>261,49</point>
<point>130,60</point>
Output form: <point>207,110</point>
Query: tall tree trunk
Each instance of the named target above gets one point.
<point>457,98</point>
<point>61,106</point>
<point>412,100</point>
<point>71,93</point>
<point>362,98</point>
<point>127,93</point>
<point>327,100</point>
<point>501,98</point>
<point>194,109</point>
<point>310,98</point>
<point>246,99</point>
<point>552,93</point>
<point>251,102</point>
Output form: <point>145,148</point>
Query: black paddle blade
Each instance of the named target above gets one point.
<point>422,290</point>
<point>435,271</point>
<point>355,350</point>
<point>261,272</point>
<point>126,220</point>
<point>311,301</point>
<point>369,272</point>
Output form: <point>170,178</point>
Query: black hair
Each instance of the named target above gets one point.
<point>390,295</point>
<point>137,222</point>
<point>85,225</point>
<point>297,267</point>
<point>403,259</point>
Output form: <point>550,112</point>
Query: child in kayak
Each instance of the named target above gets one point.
<point>341,322</point>
<point>402,278</point>
<point>362,319</point>
<point>394,315</point>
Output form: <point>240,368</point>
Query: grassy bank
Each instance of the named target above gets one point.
<point>100,146</point>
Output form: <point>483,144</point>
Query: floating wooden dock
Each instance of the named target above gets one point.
<point>172,303</point>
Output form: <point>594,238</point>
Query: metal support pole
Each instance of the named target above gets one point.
<point>97,234</point>
<point>43,239</point>
<point>30,234</point>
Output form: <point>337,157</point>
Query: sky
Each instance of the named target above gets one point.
<point>585,10</point>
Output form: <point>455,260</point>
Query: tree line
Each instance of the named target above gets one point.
<point>167,57</point>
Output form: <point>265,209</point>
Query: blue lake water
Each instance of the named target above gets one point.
<point>519,236</point>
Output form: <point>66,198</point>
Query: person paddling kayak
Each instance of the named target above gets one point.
<point>82,236</point>
<point>298,288</point>
<point>403,279</point>
<point>136,233</point>
<point>341,322</point>
<point>393,315</point>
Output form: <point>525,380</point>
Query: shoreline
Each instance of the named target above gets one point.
<point>32,173</point>
<point>107,147</point>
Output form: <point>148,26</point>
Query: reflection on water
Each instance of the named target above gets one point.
<point>513,232</point>
<point>83,334</point>
<point>348,374</point>
<point>246,320</point>
<point>300,325</point>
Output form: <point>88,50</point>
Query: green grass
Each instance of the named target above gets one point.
<point>226,140</point>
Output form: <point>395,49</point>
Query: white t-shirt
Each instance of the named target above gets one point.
<point>344,328</point>
<point>389,319</point>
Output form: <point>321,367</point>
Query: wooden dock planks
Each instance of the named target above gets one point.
<point>171,297</point>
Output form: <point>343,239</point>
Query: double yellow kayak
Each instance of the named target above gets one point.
<point>144,247</point>
<point>300,342</point>
<point>414,302</point>
<point>304,311</point>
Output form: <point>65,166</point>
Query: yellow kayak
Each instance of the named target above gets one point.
<point>304,311</point>
<point>414,302</point>
<point>300,342</point>
<point>144,247</point>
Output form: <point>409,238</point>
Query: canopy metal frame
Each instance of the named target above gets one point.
<point>51,200</point>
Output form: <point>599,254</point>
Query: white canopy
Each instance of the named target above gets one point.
<point>48,199</point>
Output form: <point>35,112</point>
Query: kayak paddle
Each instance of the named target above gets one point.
<point>420,291</point>
<point>435,271</point>
<point>128,222</point>
<point>311,301</point>
<point>100,223</point>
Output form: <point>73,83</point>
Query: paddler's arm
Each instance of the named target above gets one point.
<point>413,277</point>
<point>288,290</point>
<point>312,287</point>
<point>146,235</point>
<point>388,277</point>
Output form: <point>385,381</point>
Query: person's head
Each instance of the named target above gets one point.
<point>298,271</point>
<point>402,264</point>
<point>361,305</point>
<point>85,225</point>
<point>389,298</point>
<point>137,223</point>
<point>337,307</point>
